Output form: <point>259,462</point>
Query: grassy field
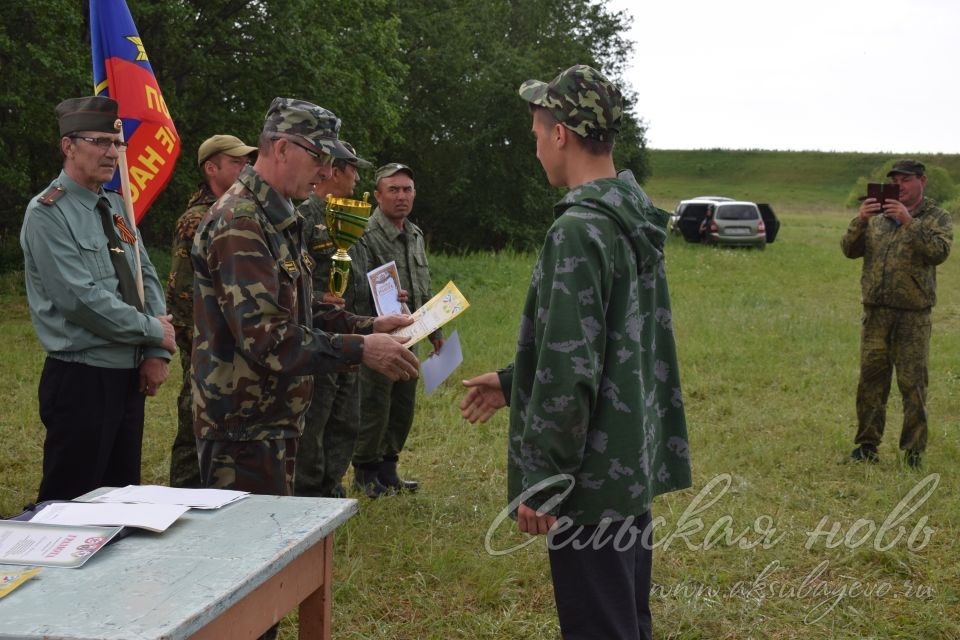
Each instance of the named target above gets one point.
<point>768,356</point>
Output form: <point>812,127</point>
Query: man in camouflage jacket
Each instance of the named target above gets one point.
<point>597,425</point>
<point>333,420</point>
<point>901,242</point>
<point>387,407</point>
<point>220,159</point>
<point>258,339</point>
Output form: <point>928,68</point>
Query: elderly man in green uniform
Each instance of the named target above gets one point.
<point>333,419</point>
<point>901,242</point>
<point>107,348</point>
<point>259,339</point>
<point>387,406</point>
<point>220,158</point>
<point>597,426</point>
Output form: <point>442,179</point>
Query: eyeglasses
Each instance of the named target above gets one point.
<point>103,144</point>
<point>324,159</point>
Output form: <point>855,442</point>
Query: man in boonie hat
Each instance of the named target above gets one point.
<point>220,159</point>
<point>260,340</point>
<point>597,426</point>
<point>333,420</point>
<point>901,242</point>
<point>107,347</point>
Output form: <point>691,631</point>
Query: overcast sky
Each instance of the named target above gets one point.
<point>844,75</point>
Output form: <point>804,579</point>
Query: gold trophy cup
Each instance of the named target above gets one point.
<point>346,220</point>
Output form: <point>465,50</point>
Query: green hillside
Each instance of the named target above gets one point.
<point>792,181</point>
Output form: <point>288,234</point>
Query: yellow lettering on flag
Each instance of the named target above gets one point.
<point>155,101</point>
<point>166,137</point>
<point>150,160</point>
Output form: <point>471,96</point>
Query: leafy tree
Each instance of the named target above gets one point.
<point>431,83</point>
<point>466,132</point>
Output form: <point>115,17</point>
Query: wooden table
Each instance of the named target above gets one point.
<point>226,574</point>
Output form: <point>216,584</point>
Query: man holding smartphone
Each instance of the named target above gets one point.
<point>901,242</point>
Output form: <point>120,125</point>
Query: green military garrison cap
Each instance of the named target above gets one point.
<point>230,145</point>
<point>318,127</point>
<point>581,99</point>
<point>92,113</point>
<point>358,162</point>
<point>391,168</point>
<point>909,167</point>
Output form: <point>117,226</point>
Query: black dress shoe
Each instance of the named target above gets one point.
<point>387,475</point>
<point>913,459</point>
<point>865,453</point>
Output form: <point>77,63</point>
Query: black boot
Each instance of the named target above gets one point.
<point>388,477</point>
<point>365,479</point>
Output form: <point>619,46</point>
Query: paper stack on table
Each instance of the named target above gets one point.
<point>153,517</point>
<point>155,494</point>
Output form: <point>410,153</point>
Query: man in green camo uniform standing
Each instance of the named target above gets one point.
<point>220,159</point>
<point>597,426</point>
<point>333,420</point>
<point>387,407</point>
<point>901,243</point>
<point>259,340</point>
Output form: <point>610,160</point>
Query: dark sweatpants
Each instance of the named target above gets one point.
<point>94,422</point>
<point>602,594</point>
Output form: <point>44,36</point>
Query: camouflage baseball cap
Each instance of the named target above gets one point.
<point>581,99</point>
<point>908,167</point>
<point>318,127</point>
<point>357,162</point>
<point>230,145</point>
<point>93,113</point>
<point>391,168</point>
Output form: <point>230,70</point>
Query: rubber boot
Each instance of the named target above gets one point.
<point>388,477</point>
<point>365,479</point>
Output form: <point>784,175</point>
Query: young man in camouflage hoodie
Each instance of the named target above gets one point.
<point>901,242</point>
<point>220,159</point>
<point>259,340</point>
<point>597,426</point>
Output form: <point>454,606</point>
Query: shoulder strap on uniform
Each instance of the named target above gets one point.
<point>51,195</point>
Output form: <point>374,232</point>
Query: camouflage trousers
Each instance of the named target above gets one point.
<point>893,339</point>
<point>386,416</point>
<point>329,435</point>
<point>264,467</point>
<point>184,468</point>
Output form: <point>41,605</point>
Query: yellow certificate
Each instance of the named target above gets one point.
<point>438,311</point>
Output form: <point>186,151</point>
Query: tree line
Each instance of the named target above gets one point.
<point>430,83</point>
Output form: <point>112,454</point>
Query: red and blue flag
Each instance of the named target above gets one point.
<point>122,71</point>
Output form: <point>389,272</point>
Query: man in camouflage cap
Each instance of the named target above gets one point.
<point>387,406</point>
<point>901,242</point>
<point>597,426</point>
<point>333,420</point>
<point>107,348</point>
<point>220,159</point>
<point>259,337</point>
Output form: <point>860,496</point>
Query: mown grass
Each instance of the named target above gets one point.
<point>768,354</point>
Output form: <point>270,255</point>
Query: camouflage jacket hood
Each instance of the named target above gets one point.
<point>597,425</point>
<point>642,223</point>
<point>900,263</point>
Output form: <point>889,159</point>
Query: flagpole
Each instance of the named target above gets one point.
<point>128,204</point>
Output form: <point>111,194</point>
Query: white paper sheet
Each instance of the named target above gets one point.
<point>438,368</point>
<point>153,517</point>
<point>155,494</point>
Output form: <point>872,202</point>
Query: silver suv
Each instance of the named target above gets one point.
<point>734,223</point>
